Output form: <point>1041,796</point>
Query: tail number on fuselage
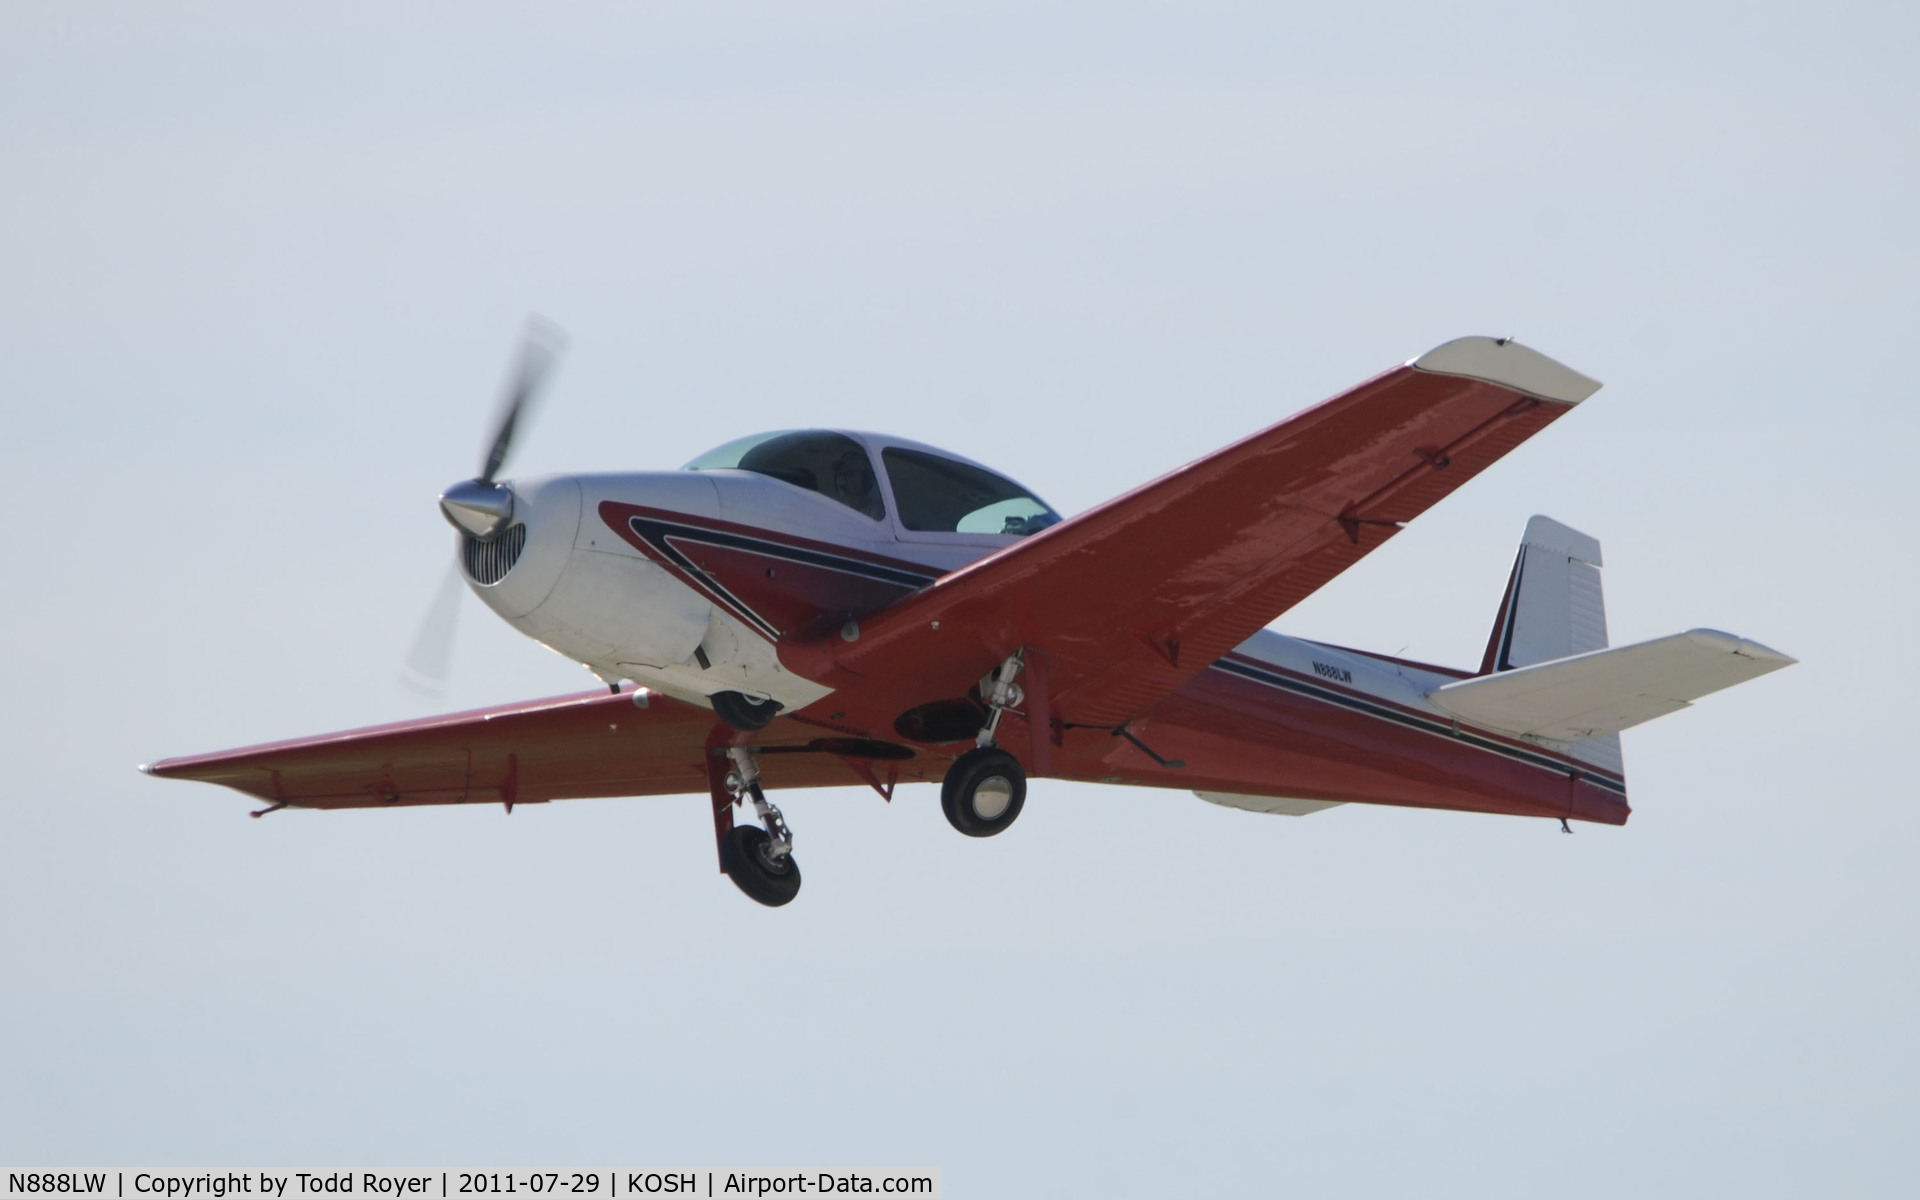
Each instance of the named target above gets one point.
<point>1337,674</point>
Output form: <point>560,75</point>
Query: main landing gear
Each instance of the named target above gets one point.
<point>981,795</point>
<point>759,861</point>
<point>985,788</point>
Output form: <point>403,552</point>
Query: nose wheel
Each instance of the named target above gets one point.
<point>759,861</point>
<point>746,854</point>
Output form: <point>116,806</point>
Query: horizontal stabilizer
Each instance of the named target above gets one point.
<point>1590,695</point>
<point>1274,805</point>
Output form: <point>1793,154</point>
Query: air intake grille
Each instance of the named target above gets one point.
<point>489,562</point>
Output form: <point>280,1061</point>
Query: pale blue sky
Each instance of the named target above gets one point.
<point>260,273</point>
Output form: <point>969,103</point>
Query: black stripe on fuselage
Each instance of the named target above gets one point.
<point>662,535</point>
<point>1274,678</point>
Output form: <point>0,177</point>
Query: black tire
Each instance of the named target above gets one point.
<point>743,712</point>
<point>743,855</point>
<point>983,792</point>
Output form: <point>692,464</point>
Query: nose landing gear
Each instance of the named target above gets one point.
<point>985,788</point>
<point>759,861</point>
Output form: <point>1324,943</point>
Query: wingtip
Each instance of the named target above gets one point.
<point>1506,363</point>
<point>1744,647</point>
<point>145,768</point>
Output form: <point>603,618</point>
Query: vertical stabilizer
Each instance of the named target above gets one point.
<point>1553,609</point>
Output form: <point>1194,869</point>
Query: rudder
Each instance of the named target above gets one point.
<point>1553,607</point>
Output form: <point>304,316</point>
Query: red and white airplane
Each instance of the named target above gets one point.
<point>821,607</point>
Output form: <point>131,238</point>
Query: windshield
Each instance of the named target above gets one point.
<point>831,464</point>
<point>940,495</point>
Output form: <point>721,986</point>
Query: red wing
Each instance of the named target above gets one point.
<point>568,748</point>
<point>1121,604</point>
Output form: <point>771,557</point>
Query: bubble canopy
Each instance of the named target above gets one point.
<point>932,492</point>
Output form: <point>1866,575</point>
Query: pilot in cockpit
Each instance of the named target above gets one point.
<point>854,484</point>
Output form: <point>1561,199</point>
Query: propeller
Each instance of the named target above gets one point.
<point>479,507</point>
<point>430,660</point>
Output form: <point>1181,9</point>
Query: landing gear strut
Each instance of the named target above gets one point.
<point>759,861</point>
<point>985,788</point>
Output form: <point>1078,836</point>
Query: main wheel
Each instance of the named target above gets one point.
<point>983,791</point>
<point>743,712</point>
<point>743,855</point>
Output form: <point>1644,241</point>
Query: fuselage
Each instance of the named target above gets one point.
<point>688,582</point>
